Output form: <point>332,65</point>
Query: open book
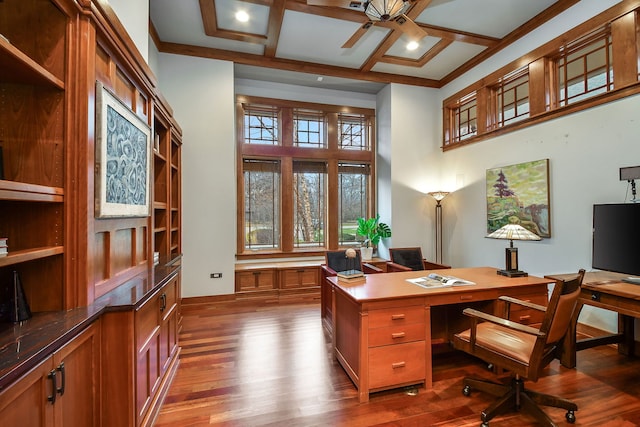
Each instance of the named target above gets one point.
<point>437,281</point>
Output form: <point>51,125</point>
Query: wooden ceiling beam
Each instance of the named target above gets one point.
<point>276,15</point>
<point>209,18</point>
<point>291,65</point>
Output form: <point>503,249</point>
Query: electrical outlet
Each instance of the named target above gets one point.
<point>215,275</point>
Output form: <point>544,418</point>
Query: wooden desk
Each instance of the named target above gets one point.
<point>383,326</point>
<point>605,290</point>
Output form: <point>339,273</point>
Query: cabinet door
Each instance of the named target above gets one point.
<point>255,280</point>
<point>299,278</point>
<point>148,369</point>
<point>169,327</point>
<point>25,402</point>
<point>77,368</point>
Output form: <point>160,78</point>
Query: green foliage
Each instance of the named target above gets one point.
<point>372,230</point>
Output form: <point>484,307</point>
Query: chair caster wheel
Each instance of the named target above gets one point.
<point>466,390</point>
<point>485,424</point>
<point>571,417</point>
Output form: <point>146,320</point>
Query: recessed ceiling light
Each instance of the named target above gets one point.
<point>242,16</point>
<point>412,45</point>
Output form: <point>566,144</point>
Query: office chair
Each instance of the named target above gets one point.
<point>407,259</point>
<point>523,350</point>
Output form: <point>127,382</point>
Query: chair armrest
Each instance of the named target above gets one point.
<point>392,267</point>
<point>428,265</point>
<point>327,271</point>
<point>370,268</point>
<point>502,322</point>
<point>534,306</point>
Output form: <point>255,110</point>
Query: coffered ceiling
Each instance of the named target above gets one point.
<point>294,42</point>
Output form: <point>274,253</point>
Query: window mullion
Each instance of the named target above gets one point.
<point>287,224</point>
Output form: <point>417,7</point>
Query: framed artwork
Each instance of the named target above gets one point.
<point>519,193</point>
<point>123,157</point>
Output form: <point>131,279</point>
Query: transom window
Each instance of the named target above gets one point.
<point>261,125</point>
<point>305,178</point>
<point>465,118</point>
<point>573,72</point>
<point>512,98</point>
<point>308,128</point>
<point>353,133</point>
<point>585,68</point>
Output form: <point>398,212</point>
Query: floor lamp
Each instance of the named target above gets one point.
<point>438,195</point>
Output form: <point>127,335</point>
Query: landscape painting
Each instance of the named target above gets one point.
<point>519,194</point>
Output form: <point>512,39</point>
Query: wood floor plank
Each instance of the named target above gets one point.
<point>259,362</point>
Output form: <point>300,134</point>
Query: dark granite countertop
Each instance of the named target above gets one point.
<point>24,345</point>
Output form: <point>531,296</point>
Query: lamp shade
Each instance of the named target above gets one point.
<point>385,10</point>
<point>438,195</point>
<point>514,232</point>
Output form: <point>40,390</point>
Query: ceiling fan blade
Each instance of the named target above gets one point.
<point>410,28</point>
<point>357,35</point>
<point>346,4</point>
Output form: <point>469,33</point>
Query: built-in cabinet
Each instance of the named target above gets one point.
<point>270,277</point>
<point>167,183</point>
<point>33,108</point>
<point>146,339</point>
<point>77,269</point>
<point>59,391</point>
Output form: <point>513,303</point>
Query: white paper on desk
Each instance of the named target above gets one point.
<point>438,281</point>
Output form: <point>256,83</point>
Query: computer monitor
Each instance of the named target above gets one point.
<point>616,238</point>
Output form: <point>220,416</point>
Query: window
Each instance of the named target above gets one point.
<point>464,118</point>
<point>306,176</point>
<point>585,68</point>
<point>309,193</point>
<point>353,190</point>
<point>512,98</point>
<point>261,204</point>
<point>573,72</point>
<point>261,125</point>
<point>308,128</point>
<point>353,132</point>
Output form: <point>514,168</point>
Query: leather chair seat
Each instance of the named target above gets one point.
<point>513,344</point>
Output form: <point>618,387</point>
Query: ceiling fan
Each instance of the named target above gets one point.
<point>386,13</point>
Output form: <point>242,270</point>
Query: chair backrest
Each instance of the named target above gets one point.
<point>338,261</point>
<point>560,309</point>
<point>558,316</point>
<point>409,257</point>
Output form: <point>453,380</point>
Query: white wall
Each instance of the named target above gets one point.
<point>134,16</point>
<point>407,148</point>
<point>200,91</point>
<point>585,151</point>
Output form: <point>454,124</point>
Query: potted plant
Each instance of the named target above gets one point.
<point>372,230</point>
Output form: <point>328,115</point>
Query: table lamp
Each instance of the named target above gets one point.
<point>513,232</point>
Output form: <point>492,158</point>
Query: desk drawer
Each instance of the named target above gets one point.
<point>396,334</point>
<point>525,315</point>
<point>456,296</point>
<point>396,364</point>
<point>398,316</point>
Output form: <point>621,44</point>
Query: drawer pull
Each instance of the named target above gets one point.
<point>398,365</point>
<point>525,318</point>
<point>397,316</point>
<point>398,335</point>
<point>465,297</point>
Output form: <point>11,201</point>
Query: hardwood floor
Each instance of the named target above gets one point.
<point>268,363</point>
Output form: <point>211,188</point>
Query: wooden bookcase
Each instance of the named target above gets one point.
<point>167,182</point>
<point>33,118</point>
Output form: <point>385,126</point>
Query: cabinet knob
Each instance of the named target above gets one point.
<point>163,302</point>
<point>54,386</point>
<point>61,369</point>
